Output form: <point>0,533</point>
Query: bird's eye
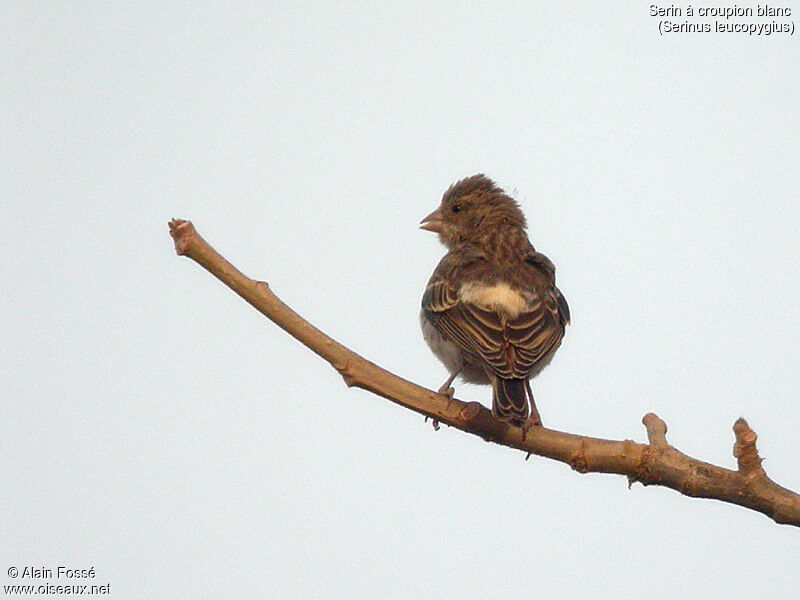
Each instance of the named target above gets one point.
<point>456,208</point>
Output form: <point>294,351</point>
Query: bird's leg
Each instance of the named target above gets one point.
<point>446,390</point>
<point>534,420</point>
<point>448,393</point>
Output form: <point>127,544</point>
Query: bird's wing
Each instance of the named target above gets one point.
<point>536,332</point>
<point>511,347</point>
<point>563,307</point>
<point>546,267</point>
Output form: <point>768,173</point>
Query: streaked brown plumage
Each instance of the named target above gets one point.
<point>491,311</point>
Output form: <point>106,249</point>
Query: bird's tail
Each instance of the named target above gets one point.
<point>510,400</point>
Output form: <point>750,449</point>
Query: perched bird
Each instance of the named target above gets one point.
<point>491,311</point>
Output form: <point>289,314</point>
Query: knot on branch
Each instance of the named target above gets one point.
<point>644,471</point>
<point>342,365</point>
<point>578,460</point>
<point>470,412</point>
<point>477,419</point>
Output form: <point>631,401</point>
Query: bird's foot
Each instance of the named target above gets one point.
<point>533,421</point>
<point>446,390</point>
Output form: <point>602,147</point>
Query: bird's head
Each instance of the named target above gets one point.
<point>472,209</point>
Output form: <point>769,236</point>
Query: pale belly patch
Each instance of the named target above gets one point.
<point>445,351</point>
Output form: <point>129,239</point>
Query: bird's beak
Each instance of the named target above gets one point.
<point>433,222</point>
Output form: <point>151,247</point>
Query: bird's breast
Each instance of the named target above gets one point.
<point>496,296</point>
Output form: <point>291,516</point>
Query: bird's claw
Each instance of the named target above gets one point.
<point>434,422</point>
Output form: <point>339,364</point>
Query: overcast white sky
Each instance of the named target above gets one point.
<point>156,428</point>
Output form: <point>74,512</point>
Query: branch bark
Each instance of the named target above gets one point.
<point>656,463</point>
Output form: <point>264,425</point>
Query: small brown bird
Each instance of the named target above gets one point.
<point>491,311</point>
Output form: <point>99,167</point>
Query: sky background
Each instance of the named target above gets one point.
<point>156,428</point>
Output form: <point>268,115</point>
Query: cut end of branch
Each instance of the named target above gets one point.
<point>182,232</point>
<point>656,429</point>
<point>745,449</point>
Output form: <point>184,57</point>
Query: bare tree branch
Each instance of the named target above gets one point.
<point>656,463</point>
